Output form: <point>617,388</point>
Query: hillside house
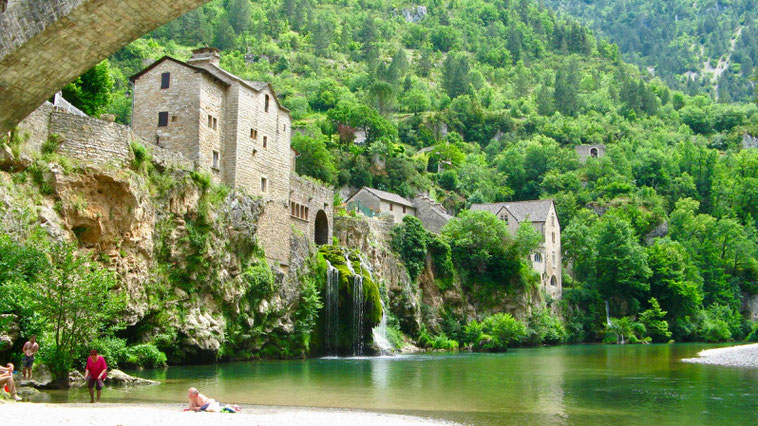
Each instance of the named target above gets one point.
<point>589,151</point>
<point>546,260</point>
<point>372,202</point>
<point>238,132</point>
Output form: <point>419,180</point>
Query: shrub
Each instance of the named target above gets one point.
<point>146,355</point>
<point>544,327</point>
<point>409,239</point>
<point>440,341</point>
<point>141,155</point>
<point>495,333</point>
<point>113,349</point>
<point>51,145</point>
<point>652,319</point>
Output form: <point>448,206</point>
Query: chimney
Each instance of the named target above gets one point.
<point>204,56</point>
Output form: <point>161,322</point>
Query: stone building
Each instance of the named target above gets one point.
<point>586,151</point>
<point>541,213</point>
<point>372,202</point>
<point>431,213</point>
<point>238,132</point>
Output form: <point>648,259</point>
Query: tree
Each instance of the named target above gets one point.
<point>91,92</point>
<point>674,280</point>
<point>566,88</point>
<point>382,97</point>
<point>652,319</point>
<point>74,298</point>
<point>239,15</point>
<point>455,74</point>
<point>416,101</point>
<point>621,269</point>
<point>224,38</point>
<point>315,159</point>
<point>409,239</point>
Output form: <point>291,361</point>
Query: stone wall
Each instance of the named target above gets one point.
<point>91,140</point>
<point>586,151</point>
<point>431,213</point>
<point>316,198</point>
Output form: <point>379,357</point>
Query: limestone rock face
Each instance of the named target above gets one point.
<point>9,332</point>
<point>372,238</point>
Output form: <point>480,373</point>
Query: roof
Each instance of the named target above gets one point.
<point>155,64</point>
<point>533,210</point>
<point>219,75</point>
<point>384,195</point>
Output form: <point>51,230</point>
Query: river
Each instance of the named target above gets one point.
<point>599,384</point>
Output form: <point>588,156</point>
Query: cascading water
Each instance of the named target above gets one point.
<point>607,314</point>
<point>380,335</point>
<point>357,314</point>
<point>332,307</point>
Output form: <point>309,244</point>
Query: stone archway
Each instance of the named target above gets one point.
<point>593,152</point>
<point>553,281</point>
<point>321,236</point>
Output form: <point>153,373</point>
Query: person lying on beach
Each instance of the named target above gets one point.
<point>199,402</point>
<point>6,380</point>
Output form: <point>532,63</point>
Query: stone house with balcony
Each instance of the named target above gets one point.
<point>546,260</point>
<point>238,132</point>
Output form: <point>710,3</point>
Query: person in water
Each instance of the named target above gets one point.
<point>30,349</point>
<point>6,380</point>
<point>95,374</point>
<point>199,402</point>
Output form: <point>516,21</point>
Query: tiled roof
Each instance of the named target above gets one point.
<point>534,210</point>
<point>387,196</point>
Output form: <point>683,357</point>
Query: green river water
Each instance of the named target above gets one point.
<point>597,384</point>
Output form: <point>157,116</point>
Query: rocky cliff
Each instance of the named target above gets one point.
<point>185,251</point>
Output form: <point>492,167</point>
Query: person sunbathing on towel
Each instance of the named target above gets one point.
<point>200,402</point>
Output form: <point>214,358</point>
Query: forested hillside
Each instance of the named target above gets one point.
<point>500,92</point>
<point>705,45</point>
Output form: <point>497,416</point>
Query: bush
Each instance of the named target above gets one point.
<point>141,155</point>
<point>652,319</point>
<point>543,327</point>
<point>146,355</point>
<point>495,333</point>
<point>440,341</point>
<point>409,239</point>
<point>51,145</point>
<point>113,349</point>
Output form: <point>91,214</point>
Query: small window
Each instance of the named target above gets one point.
<point>552,220</point>
<point>264,183</point>
<point>3,5</point>
<point>306,213</point>
<point>163,119</point>
<point>403,209</point>
<point>265,141</point>
<point>165,80</point>
<point>210,120</point>
<point>537,257</point>
<point>284,128</point>
<point>215,122</point>
<point>215,160</point>
<point>390,206</point>
<point>553,236</point>
<point>265,104</point>
<point>174,118</point>
<point>253,134</point>
<point>554,263</point>
<point>292,208</point>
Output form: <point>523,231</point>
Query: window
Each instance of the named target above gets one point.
<point>163,119</point>
<point>215,160</point>
<point>302,211</point>
<point>3,5</point>
<point>165,80</point>
<point>390,206</point>
<point>253,134</point>
<point>174,118</point>
<point>265,104</point>
<point>264,183</point>
<point>292,208</point>
<point>265,141</point>
<point>284,128</point>
<point>403,209</point>
<point>214,123</point>
<point>552,219</point>
<point>553,236</point>
<point>306,213</point>
<point>554,263</point>
<point>537,257</point>
<point>210,120</point>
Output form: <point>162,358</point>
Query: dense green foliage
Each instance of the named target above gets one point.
<point>677,37</point>
<point>484,101</point>
<point>64,297</point>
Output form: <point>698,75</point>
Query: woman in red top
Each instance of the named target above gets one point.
<point>95,374</point>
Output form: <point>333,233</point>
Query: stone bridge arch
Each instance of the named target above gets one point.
<point>321,230</point>
<point>46,44</point>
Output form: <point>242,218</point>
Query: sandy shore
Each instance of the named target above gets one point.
<point>28,414</point>
<point>733,356</point>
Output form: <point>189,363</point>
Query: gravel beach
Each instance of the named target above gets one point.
<point>28,414</point>
<point>733,356</point>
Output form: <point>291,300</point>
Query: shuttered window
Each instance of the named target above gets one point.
<point>163,119</point>
<point>165,80</point>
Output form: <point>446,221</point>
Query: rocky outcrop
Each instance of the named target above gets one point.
<point>9,331</point>
<point>119,378</point>
<point>372,237</point>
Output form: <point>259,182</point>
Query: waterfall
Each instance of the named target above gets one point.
<point>607,314</point>
<point>332,307</point>
<point>380,334</point>
<point>357,314</point>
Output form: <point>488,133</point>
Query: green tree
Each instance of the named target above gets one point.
<point>239,15</point>
<point>91,92</point>
<point>652,319</point>
<point>567,88</point>
<point>455,74</point>
<point>314,158</point>
<point>410,239</point>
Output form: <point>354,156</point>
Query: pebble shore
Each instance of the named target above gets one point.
<point>29,414</point>
<point>733,356</point>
